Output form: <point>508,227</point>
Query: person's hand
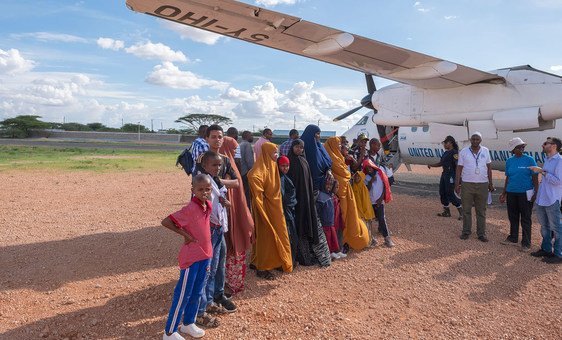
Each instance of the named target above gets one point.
<point>188,239</point>
<point>502,197</point>
<point>536,169</point>
<point>491,187</point>
<point>534,198</point>
<point>458,189</point>
<point>429,166</point>
<point>224,202</point>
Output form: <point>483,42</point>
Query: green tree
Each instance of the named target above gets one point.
<point>96,126</point>
<point>75,127</point>
<point>130,127</point>
<point>193,121</point>
<point>21,126</point>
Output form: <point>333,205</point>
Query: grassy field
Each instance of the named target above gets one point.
<point>84,159</point>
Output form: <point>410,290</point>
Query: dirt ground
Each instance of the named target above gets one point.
<point>82,256</point>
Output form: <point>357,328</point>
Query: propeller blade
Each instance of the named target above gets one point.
<point>370,83</point>
<point>348,113</point>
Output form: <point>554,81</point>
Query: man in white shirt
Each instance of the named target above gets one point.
<point>473,181</point>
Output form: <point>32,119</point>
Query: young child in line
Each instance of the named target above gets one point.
<point>338,219</point>
<point>211,163</point>
<point>327,216</point>
<point>379,193</point>
<point>192,223</point>
<point>288,193</point>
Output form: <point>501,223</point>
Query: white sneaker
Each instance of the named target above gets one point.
<point>373,243</point>
<point>174,336</point>
<point>192,330</point>
<point>341,255</point>
<point>388,242</point>
<point>334,256</point>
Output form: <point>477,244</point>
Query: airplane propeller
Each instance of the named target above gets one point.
<point>365,101</point>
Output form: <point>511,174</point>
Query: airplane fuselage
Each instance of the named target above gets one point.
<point>528,100</point>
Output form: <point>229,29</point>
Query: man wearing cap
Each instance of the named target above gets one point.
<point>548,202</point>
<point>475,171</point>
<point>359,151</point>
<point>520,190</point>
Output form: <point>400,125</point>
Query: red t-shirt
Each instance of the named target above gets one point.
<point>196,222</point>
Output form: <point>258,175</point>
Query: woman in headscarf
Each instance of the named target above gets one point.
<point>238,237</point>
<point>288,193</point>
<point>305,212</point>
<point>316,155</point>
<point>355,233</point>
<point>272,248</point>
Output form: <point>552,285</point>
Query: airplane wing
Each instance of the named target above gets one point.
<point>291,34</point>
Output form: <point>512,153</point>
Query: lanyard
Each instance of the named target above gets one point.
<point>477,156</point>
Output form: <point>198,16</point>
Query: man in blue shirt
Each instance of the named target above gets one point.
<point>520,190</point>
<point>548,202</point>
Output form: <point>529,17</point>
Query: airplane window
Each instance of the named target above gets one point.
<point>362,121</point>
<point>425,128</point>
<point>414,128</point>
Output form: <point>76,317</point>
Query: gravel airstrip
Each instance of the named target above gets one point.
<point>82,256</point>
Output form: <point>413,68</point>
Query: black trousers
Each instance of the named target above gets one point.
<point>381,219</point>
<point>519,210</point>
<point>447,190</point>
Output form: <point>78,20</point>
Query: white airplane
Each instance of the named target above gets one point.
<point>440,96</point>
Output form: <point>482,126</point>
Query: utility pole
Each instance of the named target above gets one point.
<point>122,122</point>
<point>162,126</point>
<point>63,119</point>
<point>138,124</point>
<point>294,121</point>
<point>152,125</point>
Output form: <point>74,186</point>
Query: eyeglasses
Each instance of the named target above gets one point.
<point>546,143</point>
<point>520,147</point>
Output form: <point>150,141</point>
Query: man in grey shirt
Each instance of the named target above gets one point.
<point>246,161</point>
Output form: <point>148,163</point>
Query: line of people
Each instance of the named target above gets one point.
<point>303,203</point>
<point>466,181</point>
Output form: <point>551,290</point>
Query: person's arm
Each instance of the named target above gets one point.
<point>370,182</point>
<point>169,224</point>
<point>490,182</point>
<point>458,179</point>
<point>535,187</point>
<point>504,193</point>
<point>436,165</point>
<point>230,183</point>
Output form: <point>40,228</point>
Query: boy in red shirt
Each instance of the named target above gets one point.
<point>192,223</point>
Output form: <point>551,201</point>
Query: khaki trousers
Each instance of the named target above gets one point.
<point>474,194</point>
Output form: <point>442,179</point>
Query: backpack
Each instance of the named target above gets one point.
<point>185,159</point>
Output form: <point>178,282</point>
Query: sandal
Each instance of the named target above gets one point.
<point>207,321</point>
<point>265,274</point>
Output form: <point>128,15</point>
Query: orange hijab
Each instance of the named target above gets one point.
<point>239,218</point>
<point>272,248</point>
<point>355,232</point>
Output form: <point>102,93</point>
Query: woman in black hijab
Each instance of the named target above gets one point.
<point>306,221</point>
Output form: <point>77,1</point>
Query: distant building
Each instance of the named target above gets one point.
<point>285,133</point>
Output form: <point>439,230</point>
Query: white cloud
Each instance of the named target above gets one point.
<point>195,34</point>
<point>556,68</point>
<point>420,9</point>
<point>170,75</point>
<point>450,17</point>
<point>157,51</point>
<point>271,3</point>
<point>12,62</point>
<point>111,44</point>
<point>49,36</point>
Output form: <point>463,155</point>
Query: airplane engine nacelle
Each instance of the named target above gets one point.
<point>517,119</point>
<point>551,111</point>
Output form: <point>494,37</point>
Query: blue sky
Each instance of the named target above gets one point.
<point>96,61</point>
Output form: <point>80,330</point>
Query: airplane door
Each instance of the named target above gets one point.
<point>416,104</point>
